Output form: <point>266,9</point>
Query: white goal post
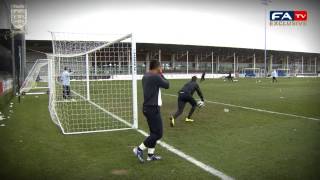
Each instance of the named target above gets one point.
<point>102,95</point>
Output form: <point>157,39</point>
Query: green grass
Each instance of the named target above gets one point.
<point>5,99</point>
<point>244,144</point>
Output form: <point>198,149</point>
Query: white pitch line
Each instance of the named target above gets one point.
<point>36,93</point>
<point>255,109</point>
<point>170,148</point>
<point>191,159</point>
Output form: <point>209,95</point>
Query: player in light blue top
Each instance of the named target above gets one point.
<point>65,79</point>
<point>274,75</point>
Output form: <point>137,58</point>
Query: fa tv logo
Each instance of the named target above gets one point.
<point>288,15</point>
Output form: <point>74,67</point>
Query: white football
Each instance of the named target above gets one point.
<point>200,103</point>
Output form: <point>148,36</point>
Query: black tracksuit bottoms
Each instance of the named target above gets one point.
<point>182,100</point>
<point>66,91</point>
<point>153,116</point>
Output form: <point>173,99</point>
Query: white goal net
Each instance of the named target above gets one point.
<point>102,92</point>
<point>37,77</point>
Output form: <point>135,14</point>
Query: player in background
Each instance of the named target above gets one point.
<point>274,75</point>
<point>152,81</point>
<point>65,79</point>
<point>185,96</point>
<point>203,76</point>
<point>229,77</point>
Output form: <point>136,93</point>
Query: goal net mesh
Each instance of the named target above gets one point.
<point>37,77</point>
<point>102,91</point>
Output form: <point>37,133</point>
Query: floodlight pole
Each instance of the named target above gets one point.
<point>265,2</point>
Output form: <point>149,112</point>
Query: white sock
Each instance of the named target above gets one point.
<point>142,147</point>
<point>151,150</point>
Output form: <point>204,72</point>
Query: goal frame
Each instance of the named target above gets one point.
<point>260,72</point>
<point>288,72</point>
<point>133,63</point>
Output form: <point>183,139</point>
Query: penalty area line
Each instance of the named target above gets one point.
<point>255,109</point>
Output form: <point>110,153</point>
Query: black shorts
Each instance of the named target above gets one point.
<point>66,90</point>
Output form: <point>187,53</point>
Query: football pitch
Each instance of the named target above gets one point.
<point>250,129</point>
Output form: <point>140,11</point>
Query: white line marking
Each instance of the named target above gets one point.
<point>35,93</point>
<point>170,148</point>
<point>191,159</point>
<point>255,109</point>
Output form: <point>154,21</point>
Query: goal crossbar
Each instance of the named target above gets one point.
<point>94,49</point>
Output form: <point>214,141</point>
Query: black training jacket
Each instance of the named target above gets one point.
<point>151,83</point>
<point>190,87</point>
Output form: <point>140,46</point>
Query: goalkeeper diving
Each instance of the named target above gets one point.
<point>186,96</point>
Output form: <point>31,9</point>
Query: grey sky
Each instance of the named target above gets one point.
<point>197,22</point>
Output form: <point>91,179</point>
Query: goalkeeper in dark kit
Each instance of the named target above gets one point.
<point>185,96</point>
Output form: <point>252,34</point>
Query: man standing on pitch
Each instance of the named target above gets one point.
<point>152,81</point>
<point>203,75</point>
<point>274,75</point>
<point>65,78</point>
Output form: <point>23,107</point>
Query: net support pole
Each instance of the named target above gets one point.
<point>49,78</point>
<point>128,62</point>
<point>134,83</point>
<point>87,77</point>
<point>187,62</point>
